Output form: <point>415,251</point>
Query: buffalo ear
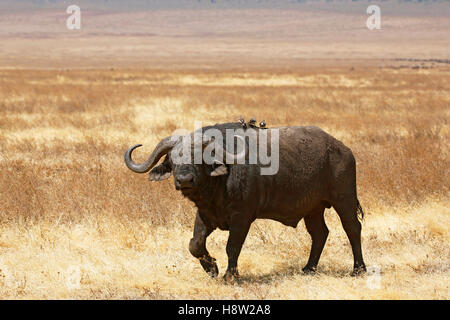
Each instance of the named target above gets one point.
<point>161,172</point>
<point>154,176</point>
<point>219,169</point>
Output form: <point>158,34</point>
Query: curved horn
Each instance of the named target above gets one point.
<point>163,147</point>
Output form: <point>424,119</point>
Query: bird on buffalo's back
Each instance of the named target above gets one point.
<point>242,122</point>
<point>263,124</point>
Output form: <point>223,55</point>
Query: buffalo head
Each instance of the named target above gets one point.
<point>191,163</point>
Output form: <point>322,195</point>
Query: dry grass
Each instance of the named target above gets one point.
<point>68,201</point>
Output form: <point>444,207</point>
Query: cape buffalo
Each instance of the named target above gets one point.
<point>315,172</point>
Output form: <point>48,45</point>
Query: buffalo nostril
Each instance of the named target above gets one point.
<point>185,178</point>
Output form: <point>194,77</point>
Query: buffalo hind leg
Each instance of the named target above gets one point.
<point>239,227</point>
<point>347,211</point>
<point>197,247</point>
<point>315,224</point>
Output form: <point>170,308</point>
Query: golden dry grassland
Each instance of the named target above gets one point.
<point>76,223</point>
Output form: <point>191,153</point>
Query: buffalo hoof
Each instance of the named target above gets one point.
<point>231,277</point>
<point>210,266</point>
<point>358,270</point>
<point>309,270</point>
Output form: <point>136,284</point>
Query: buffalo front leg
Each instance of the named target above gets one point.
<point>239,227</point>
<point>315,224</point>
<point>197,247</point>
